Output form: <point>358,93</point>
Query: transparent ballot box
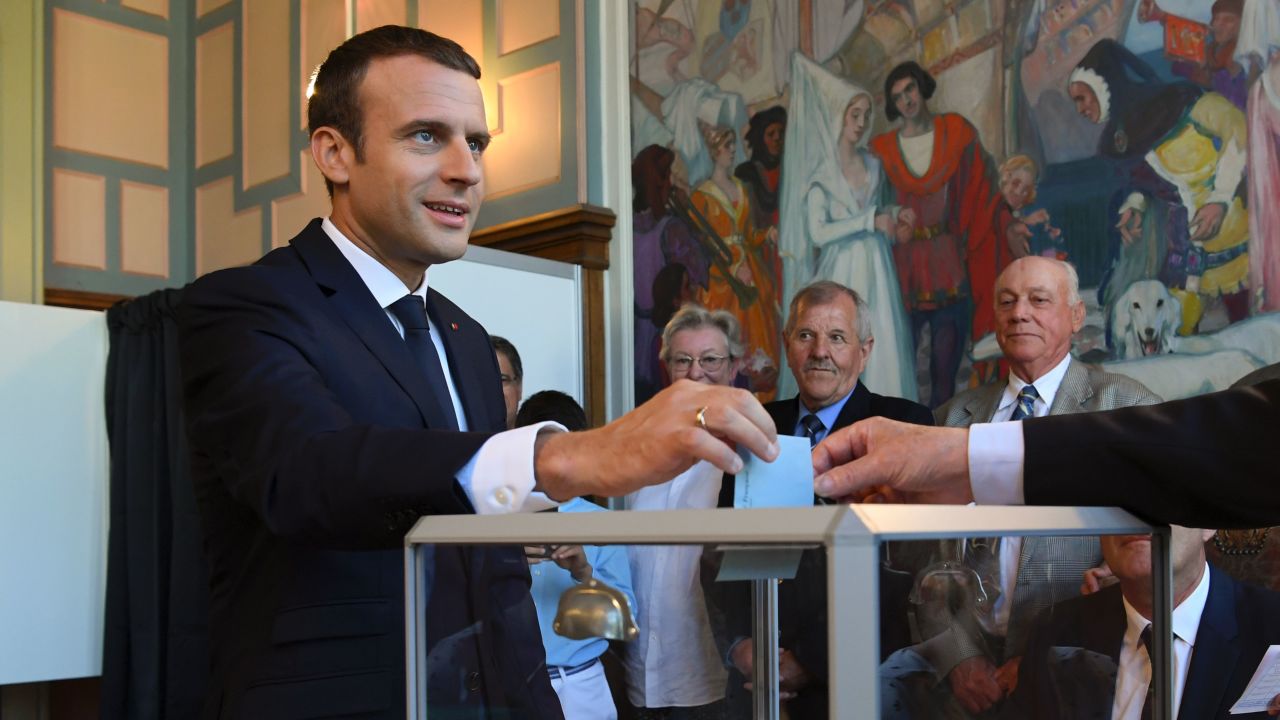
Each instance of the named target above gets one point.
<point>854,611</point>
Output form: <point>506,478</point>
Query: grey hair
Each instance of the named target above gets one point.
<point>692,317</point>
<point>1073,281</point>
<point>824,292</point>
<point>1068,272</point>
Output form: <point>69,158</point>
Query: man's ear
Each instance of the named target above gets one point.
<point>1077,317</point>
<point>332,154</point>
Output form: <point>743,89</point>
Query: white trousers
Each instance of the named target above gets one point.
<point>585,695</point>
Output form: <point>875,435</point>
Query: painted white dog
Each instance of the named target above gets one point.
<point>1145,318</point>
<point>1173,376</point>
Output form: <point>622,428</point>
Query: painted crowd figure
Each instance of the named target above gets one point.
<point>945,184</point>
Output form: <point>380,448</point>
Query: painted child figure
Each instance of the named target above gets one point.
<point>1028,228</point>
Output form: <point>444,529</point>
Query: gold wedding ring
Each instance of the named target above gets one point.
<point>702,417</point>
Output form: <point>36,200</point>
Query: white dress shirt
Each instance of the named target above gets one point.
<point>1046,387</point>
<point>1011,547</point>
<point>1134,674</point>
<point>499,478</point>
<point>674,662</point>
<point>996,457</point>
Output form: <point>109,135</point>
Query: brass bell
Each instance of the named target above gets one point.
<point>594,609</point>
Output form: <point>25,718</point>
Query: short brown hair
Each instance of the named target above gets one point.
<point>335,86</point>
<point>825,292</point>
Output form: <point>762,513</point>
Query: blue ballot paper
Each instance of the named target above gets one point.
<point>785,482</point>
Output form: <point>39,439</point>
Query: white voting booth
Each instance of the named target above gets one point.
<point>54,458</point>
<point>53,492</point>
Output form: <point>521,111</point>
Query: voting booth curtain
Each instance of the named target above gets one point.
<point>155,650</point>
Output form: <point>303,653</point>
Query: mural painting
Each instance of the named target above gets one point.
<point>910,149</point>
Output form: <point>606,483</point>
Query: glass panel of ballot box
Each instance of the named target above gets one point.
<point>853,611</point>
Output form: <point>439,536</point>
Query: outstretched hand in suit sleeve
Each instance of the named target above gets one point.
<point>883,460</point>
<point>655,442</point>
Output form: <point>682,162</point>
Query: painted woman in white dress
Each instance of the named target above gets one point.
<point>835,217</point>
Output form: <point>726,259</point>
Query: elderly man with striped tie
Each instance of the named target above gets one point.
<point>828,338</point>
<point>1038,309</point>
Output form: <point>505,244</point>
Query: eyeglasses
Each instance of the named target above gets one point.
<point>708,363</point>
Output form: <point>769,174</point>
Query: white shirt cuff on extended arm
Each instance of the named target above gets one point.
<point>996,455</point>
<point>499,477</point>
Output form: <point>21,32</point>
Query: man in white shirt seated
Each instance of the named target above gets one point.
<point>1089,657</point>
<point>574,665</point>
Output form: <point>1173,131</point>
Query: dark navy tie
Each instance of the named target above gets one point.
<point>1145,637</point>
<point>1026,403</point>
<point>813,428</point>
<point>411,311</point>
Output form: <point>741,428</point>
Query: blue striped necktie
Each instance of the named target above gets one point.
<point>813,427</point>
<point>1145,638</point>
<point>1026,403</point>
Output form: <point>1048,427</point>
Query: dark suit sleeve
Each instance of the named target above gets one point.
<point>1208,461</point>
<point>266,421</point>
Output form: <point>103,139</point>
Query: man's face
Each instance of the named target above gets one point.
<point>1086,101</point>
<point>773,137</point>
<point>692,348</point>
<point>1129,556</point>
<point>512,387</point>
<point>824,353</point>
<point>1034,319</point>
<point>905,96</point>
<point>1226,27</point>
<point>1016,186</point>
<point>413,199</point>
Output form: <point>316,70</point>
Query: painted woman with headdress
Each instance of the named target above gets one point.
<point>1183,220</point>
<point>740,280</point>
<point>835,216</point>
<point>661,239</point>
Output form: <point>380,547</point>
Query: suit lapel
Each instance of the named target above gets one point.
<point>858,407</point>
<point>1074,391</point>
<point>466,350</point>
<point>984,404</point>
<point>1216,652</point>
<point>351,300</point>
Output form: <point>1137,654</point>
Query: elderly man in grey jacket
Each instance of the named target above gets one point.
<point>1038,309</point>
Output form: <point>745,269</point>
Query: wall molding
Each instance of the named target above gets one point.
<point>81,299</point>
<point>577,234</point>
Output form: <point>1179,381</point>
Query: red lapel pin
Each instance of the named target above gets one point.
<point>453,325</point>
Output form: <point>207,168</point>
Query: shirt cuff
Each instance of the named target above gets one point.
<point>499,478</point>
<point>996,454</point>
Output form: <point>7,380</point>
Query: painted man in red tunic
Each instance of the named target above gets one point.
<point>945,189</point>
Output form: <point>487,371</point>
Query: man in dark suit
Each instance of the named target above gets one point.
<point>1087,658</point>
<point>1204,461</point>
<point>332,399</point>
<point>828,337</point>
